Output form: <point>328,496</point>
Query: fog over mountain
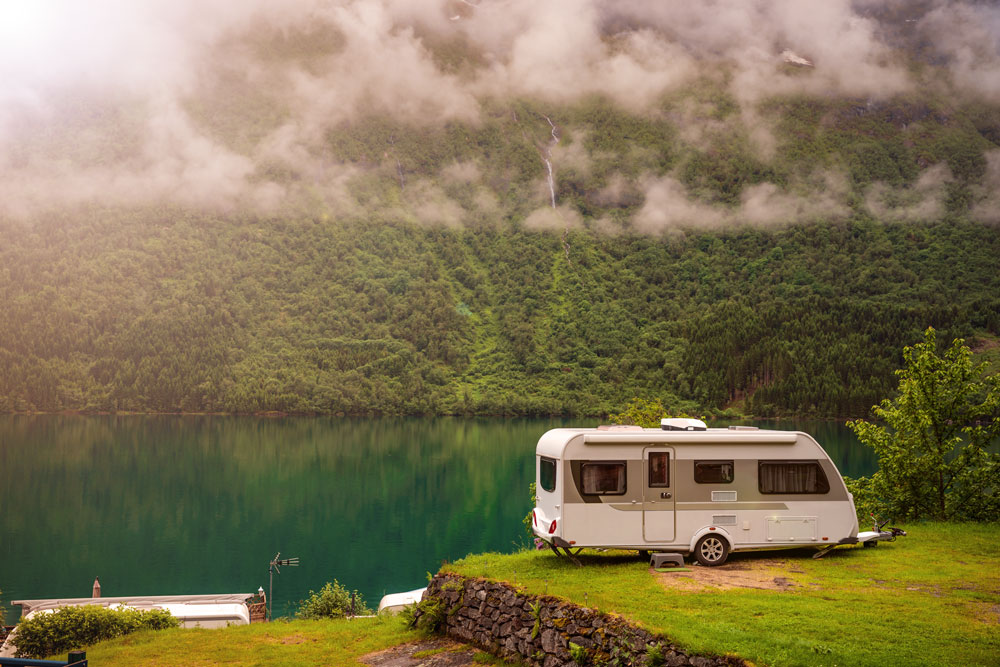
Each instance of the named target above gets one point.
<point>228,106</point>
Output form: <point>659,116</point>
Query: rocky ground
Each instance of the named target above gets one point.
<point>436,652</point>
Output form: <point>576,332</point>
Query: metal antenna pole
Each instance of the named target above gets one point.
<point>270,584</point>
<point>273,567</point>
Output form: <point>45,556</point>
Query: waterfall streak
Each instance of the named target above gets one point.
<point>546,159</point>
<point>552,184</point>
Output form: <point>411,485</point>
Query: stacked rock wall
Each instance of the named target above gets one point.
<point>540,629</point>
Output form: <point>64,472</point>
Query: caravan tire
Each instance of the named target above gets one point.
<point>711,550</point>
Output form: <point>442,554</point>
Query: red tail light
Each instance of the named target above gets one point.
<point>534,518</point>
<point>552,527</point>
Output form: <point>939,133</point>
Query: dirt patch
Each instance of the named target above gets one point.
<point>760,573</point>
<point>429,653</point>
<point>985,612</point>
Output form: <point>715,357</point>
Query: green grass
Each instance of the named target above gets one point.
<point>326,642</point>
<point>986,350</point>
<point>930,598</point>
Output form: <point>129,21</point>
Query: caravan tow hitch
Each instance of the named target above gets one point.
<point>880,533</point>
<point>869,538</point>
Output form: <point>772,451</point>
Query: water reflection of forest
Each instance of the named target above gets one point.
<point>147,496</point>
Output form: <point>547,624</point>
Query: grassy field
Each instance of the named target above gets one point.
<point>331,642</point>
<point>931,598</point>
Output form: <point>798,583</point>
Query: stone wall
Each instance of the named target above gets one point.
<point>539,629</point>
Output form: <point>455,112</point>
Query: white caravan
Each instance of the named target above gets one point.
<point>686,488</point>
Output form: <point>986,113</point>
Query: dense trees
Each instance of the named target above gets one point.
<point>172,313</point>
<point>431,291</point>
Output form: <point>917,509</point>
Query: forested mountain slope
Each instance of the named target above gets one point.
<point>182,314</point>
<point>484,207</point>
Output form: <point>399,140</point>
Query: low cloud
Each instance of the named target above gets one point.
<point>669,205</point>
<point>553,219</point>
<point>922,202</point>
<point>227,105</point>
<point>766,204</point>
<point>987,209</point>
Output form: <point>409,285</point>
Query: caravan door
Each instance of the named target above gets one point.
<point>658,494</point>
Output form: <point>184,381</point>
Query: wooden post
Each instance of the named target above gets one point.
<point>97,588</point>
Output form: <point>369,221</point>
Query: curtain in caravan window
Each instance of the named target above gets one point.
<point>606,479</point>
<point>791,477</point>
<point>659,469</point>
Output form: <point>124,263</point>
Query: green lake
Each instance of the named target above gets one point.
<point>163,505</point>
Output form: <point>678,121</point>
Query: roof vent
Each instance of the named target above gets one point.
<point>680,424</point>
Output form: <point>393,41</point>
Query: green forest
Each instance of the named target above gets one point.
<point>301,316</point>
<point>375,309</point>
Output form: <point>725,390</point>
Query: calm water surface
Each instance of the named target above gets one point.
<point>183,505</point>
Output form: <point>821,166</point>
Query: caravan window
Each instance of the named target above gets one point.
<point>605,479</point>
<point>791,477</point>
<point>547,474</point>
<point>659,469</point>
<point>713,472</point>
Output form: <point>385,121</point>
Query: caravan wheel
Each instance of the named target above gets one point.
<point>711,550</point>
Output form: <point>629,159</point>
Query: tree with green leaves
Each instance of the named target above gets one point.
<point>933,440</point>
<point>645,413</point>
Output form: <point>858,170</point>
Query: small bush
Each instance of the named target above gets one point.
<point>427,615</point>
<point>578,653</point>
<point>332,601</point>
<point>528,519</point>
<point>654,656</point>
<point>76,627</point>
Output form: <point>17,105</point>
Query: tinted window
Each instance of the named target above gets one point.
<point>713,472</point>
<point>547,474</point>
<point>606,479</point>
<point>791,477</point>
<point>659,468</point>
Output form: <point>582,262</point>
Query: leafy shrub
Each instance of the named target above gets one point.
<point>866,502</point>
<point>332,601</point>
<point>645,413</point>
<point>654,656</point>
<point>76,627</point>
<point>527,520</point>
<point>427,615</point>
<point>578,653</point>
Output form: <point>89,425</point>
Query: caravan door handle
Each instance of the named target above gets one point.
<point>665,495</point>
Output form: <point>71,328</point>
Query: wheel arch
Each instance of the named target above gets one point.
<point>711,530</point>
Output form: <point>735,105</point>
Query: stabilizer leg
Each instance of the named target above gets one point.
<point>824,551</point>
